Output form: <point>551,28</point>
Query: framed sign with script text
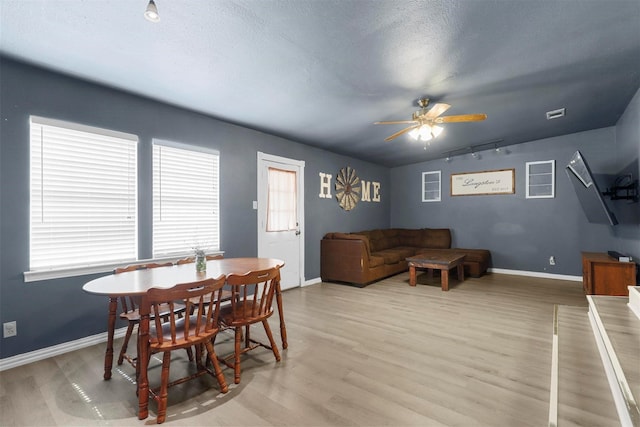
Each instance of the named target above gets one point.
<point>483,183</point>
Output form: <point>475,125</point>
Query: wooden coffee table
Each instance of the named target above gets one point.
<point>442,262</point>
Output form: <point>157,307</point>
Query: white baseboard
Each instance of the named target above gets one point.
<point>44,353</point>
<point>536,274</point>
<point>311,282</point>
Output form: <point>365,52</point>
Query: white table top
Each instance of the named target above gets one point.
<point>139,281</point>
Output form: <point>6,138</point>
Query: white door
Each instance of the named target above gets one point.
<point>280,219</point>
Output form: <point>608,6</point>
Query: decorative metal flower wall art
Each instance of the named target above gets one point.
<point>347,188</point>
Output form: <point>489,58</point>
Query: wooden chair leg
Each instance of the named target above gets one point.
<point>143,382</point>
<point>164,388</point>
<point>236,356</point>
<point>125,343</point>
<point>216,367</point>
<point>274,347</point>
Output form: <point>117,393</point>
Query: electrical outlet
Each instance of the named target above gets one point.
<point>9,329</point>
<point>552,260</point>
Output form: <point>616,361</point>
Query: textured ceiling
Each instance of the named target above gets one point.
<point>321,72</point>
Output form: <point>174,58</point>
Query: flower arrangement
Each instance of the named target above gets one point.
<point>201,261</point>
<point>199,249</point>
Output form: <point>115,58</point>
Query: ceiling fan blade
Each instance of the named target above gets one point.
<point>396,122</point>
<point>436,110</point>
<point>397,134</point>
<point>462,118</point>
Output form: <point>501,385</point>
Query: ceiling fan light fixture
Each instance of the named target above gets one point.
<point>426,132</point>
<point>423,122</point>
<point>151,13</point>
<point>421,133</point>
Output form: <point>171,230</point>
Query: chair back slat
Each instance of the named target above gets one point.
<point>129,304</point>
<point>252,293</point>
<point>169,329</point>
<point>134,267</point>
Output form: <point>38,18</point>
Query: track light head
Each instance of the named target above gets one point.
<point>151,14</point>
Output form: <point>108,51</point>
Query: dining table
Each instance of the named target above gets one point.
<point>136,283</point>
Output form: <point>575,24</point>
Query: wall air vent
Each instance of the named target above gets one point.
<point>555,114</point>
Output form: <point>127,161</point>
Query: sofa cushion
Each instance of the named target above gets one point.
<point>411,238</point>
<point>375,261</point>
<point>379,240</point>
<point>436,238</point>
<point>475,255</point>
<point>394,255</point>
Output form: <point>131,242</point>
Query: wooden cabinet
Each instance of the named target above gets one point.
<point>604,275</point>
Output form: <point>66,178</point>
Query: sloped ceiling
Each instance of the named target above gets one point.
<point>320,72</point>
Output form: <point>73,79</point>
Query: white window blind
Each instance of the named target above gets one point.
<point>83,195</point>
<point>185,199</point>
<point>281,200</point>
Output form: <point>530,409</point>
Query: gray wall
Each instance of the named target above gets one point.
<point>628,153</point>
<point>523,233</point>
<point>69,312</point>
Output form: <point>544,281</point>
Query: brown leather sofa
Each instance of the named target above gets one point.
<point>367,256</point>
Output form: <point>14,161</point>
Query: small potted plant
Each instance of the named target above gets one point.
<point>201,260</point>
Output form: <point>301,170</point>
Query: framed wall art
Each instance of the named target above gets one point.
<point>483,183</point>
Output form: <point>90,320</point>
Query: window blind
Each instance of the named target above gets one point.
<point>83,195</point>
<point>185,199</point>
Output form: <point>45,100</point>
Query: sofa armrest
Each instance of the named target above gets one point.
<point>344,259</point>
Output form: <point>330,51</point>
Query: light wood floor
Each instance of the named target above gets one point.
<point>385,355</point>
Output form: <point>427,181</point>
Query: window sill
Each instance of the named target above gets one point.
<point>60,273</point>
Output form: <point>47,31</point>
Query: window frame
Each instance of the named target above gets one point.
<point>552,176</point>
<point>68,270</point>
<point>194,242</point>
<point>438,197</point>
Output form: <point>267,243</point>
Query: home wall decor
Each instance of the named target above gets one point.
<point>370,190</point>
<point>483,183</point>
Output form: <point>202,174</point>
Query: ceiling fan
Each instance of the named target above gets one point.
<point>424,123</point>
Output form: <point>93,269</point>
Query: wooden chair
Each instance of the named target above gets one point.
<point>156,336</point>
<point>251,302</point>
<point>131,314</point>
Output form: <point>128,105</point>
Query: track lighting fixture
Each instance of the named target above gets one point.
<point>473,150</point>
<point>151,14</point>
